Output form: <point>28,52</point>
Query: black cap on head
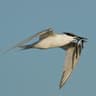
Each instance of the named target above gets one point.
<point>73,35</point>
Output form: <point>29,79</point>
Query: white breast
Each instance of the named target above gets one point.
<point>55,41</point>
<point>62,39</point>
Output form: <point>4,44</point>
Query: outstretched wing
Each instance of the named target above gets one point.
<point>71,59</point>
<point>43,34</point>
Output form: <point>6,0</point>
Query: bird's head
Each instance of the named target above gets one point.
<point>78,39</point>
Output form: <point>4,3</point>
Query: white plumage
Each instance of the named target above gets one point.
<point>71,43</point>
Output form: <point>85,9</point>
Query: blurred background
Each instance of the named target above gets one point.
<point>38,72</point>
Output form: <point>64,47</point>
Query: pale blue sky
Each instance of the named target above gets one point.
<point>37,72</point>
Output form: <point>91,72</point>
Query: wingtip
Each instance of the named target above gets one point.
<point>62,83</point>
<point>60,86</point>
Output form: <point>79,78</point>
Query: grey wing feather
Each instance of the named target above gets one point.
<point>45,33</point>
<point>69,64</point>
<point>41,35</point>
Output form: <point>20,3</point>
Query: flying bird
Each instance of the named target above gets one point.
<point>71,43</point>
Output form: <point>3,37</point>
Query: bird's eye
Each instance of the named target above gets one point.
<point>75,41</point>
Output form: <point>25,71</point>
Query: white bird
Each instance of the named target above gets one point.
<point>71,43</point>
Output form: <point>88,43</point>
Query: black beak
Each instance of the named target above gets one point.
<point>84,39</point>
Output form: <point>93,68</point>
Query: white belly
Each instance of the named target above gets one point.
<point>54,41</point>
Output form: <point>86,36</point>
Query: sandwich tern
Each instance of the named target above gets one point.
<point>71,43</point>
